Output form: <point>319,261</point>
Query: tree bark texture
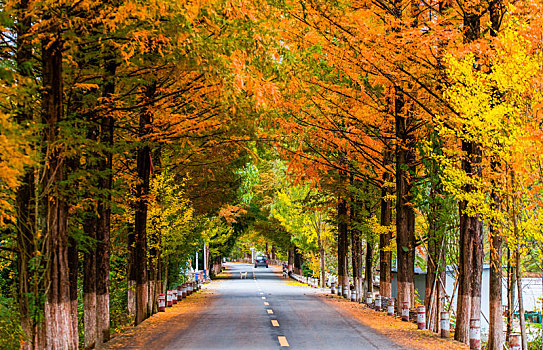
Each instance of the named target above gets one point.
<point>103,243</point>
<point>131,273</point>
<point>343,273</point>
<point>405,214</point>
<point>495,319</point>
<point>73,266</point>
<point>517,257</point>
<point>356,257</point>
<point>59,332</point>
<point>290,259</point>
<point>356,241</point>
<point>495,333</point>
<point>511,283</point>
<point>318,228</point>
<point>470,260</point>
<point>385,254</point>
<point>298,261</point>
<point>521,303</point>
<point>89,284</point>
<point>154,259</point>
<point>369,266</point>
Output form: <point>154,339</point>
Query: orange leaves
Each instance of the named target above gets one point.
<point>231,213</point>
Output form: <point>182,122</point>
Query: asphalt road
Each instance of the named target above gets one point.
<point>264,312</point>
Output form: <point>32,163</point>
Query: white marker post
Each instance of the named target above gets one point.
<point>514,341</point>
<point>421,317</point>
<point>174,296</point>
<point>169,302</point>
<point>390,307</point>
<point>405,311</point>
<point>475,334</point>
<point>161,303</point>
<point>378,303</point>
<point>445,324</point>
<point>369,298</point>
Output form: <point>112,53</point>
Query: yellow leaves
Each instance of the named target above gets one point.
<point>494,94</point>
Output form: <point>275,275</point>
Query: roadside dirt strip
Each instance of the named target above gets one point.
<point>163,327</point>
<point>402,333</point>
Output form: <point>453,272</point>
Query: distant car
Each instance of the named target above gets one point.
<point>261,261</point>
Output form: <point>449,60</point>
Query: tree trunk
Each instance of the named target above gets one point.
<point>140,232</point>
<point>290,262</point>
<point>470,242</point>
<point>140,220</point>
<point>470,261</point>
<point>356,258</point>
<point>154,256</point>
<point>518,273</point>
<point>342,251</point>
<point>273,254</point>
<point>521,302</point>
<point>495,332</point>
<point>73,266</point>
<point>298,261</point>
<point>356,241</point>
<point>369,266</point>
<point>131,273</point>
<point>385,254</point>
<point>102,268</point>
<point>318,228</point>
<point>89,284</point>
<point>511,282</point>
<point>323,265</point>
<point>58,322</point>
<point>405,214</point>
<point>104,212</point>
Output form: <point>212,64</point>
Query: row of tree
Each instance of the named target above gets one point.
<point>135,131</point>
<point>427,113</point>
<point>123,124</point>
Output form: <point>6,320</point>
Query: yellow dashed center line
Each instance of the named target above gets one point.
<point>270,311</point>
<point>275,323</point>
<point>283,341</point>
<point>266,303</point>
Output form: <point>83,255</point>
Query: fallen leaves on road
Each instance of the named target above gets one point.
<point>158,330</point>
<point>402,333</point>
<point>295,283</point>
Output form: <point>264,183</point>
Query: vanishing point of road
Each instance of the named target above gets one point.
<point>263,311</point>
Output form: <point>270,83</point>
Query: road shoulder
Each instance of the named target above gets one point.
<point>160,329</point>
<point>402,333</point>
